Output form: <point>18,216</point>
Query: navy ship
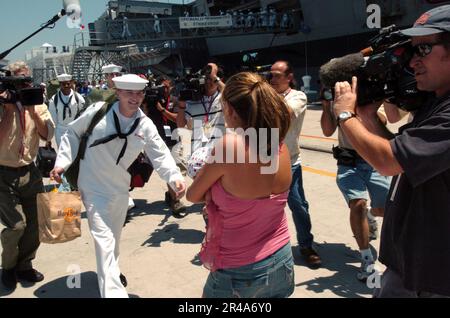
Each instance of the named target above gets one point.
<point>168,38</point>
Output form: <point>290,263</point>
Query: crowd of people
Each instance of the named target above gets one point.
<point>247,241</point>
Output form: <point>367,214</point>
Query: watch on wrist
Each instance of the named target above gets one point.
<point>344,116</point>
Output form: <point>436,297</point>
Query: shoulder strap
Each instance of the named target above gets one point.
<point>95,120</point>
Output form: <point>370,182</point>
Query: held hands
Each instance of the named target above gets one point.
<point>56,173</point>
<point>179,186</point>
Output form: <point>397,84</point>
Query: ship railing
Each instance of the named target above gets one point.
<point>150,29</point>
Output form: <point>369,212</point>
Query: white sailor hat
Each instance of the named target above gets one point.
<point>130,82</point>
<point>64,78</point>
<point>111,68</point>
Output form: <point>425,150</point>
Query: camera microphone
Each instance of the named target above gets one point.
<point>340,69</point>
<point>71,7</point>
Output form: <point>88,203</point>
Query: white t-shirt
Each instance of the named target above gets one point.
<point>296,101</point>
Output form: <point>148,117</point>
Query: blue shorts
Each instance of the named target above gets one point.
<point>363,181</point>
<point>273,277</point>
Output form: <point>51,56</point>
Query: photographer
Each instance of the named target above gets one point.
<point>204,116</point>
<point>357,180</point>
<point>282,80</point>
<point>21,129</point>
<point>415,240</point>
<point>159,106</point>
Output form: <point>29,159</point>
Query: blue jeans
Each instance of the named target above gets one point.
<point>300,209</point>
<point>273,277</point>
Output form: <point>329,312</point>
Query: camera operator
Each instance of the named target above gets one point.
<point>415,240</point>
<point>357,180</point>
<point>205,116</point>
<point>282,80</point>
<point>160,108</point>
<point>21,129</point>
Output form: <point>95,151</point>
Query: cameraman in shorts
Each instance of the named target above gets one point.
<point>357,180</point>
<point>21,129</point>
<point>415,240</point>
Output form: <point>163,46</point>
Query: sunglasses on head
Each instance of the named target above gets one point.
<point>423,49</point>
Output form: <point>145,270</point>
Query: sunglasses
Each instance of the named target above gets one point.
<point>424,49</point>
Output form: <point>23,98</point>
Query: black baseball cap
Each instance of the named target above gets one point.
<point>435,21</point>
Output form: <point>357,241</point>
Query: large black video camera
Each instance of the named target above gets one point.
<point>20,89</point>
<point>154,93</point>
<point>193,85</point>
<point>383,75</point>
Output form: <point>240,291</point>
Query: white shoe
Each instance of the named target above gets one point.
<point>130,203</point>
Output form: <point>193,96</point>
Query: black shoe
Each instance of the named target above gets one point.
<point>9,278</point>
<point>30,275</point>
<point>167,198</point>
<point>123,280</point>
<point>311,257</point>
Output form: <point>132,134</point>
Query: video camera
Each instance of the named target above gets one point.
<point>193,85</point>
<point>154,94</point>
<point>382,69</point>
<point>20,89</point>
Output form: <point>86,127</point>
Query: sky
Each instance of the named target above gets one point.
<point>21,18</point>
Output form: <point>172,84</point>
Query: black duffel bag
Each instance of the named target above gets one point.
<point>45,160</point>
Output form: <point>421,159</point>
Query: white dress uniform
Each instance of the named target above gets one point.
<point>104,180</point>
<point>64,110</point>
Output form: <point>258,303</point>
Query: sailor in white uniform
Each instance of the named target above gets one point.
<point>103,179</point>
<point>65,105</point>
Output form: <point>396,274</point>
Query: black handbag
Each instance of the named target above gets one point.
<point>140,171</point>
<point>45,160</point>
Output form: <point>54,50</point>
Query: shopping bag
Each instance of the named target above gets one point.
<point>59,216</point>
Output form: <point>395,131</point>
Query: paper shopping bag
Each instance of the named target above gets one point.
<point>59,216</point>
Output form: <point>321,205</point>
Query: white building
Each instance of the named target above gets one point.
<point>47,62</point>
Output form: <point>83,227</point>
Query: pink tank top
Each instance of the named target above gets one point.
<point>242,232</point>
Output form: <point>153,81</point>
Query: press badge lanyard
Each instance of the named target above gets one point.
<point>22,127</point>
<point>167,108</point>
<point>207,111</point>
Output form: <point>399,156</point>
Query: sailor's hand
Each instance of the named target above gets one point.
<point>345,96</point>
<point>180,188</point>
<point>56,173</point>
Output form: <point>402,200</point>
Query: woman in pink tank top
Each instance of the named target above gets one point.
<point>245,186</point>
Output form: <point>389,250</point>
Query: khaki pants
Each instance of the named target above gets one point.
<point>18,213</point>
